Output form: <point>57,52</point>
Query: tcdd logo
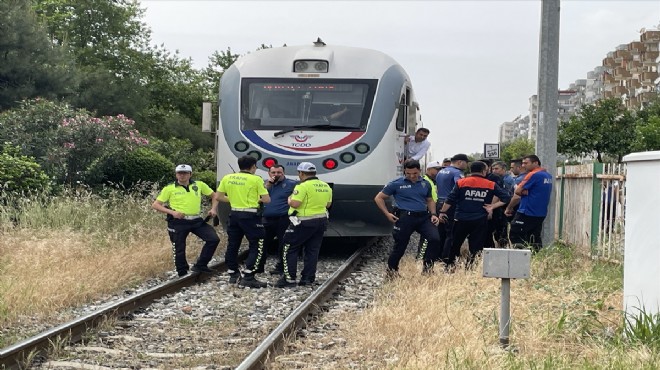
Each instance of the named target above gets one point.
<point>301,138</point>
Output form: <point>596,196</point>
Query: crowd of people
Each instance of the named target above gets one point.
<point>491,204</point>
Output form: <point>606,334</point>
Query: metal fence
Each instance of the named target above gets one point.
<point>590,209</point>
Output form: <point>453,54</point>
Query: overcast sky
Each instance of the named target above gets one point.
<point>473,64</point>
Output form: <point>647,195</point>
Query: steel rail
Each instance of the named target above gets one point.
<point>15,356</point>
<point>273,342</point>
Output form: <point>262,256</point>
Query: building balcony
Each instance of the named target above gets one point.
<point>650,37</point>
<point>609,62</point>
<point>650,56</point>
<point>621,55</point>
<point>636,46</point>
<point>649,76</point>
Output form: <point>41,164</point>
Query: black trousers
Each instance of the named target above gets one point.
<point>526,231</point>
<point>446,232</point>
<point>179,230</point>
<point>308,236</point>
<point>274,229</point>
<point>403,229</point>
<point>476,232</point>
<point>239,225</point>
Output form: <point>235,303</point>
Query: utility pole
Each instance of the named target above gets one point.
<point>546,132</point>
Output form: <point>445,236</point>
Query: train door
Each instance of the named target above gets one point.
<point>402,130</point>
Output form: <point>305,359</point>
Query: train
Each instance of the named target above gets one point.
<point>345,109</point>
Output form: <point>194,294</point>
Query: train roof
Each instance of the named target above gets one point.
<point>344,61</point>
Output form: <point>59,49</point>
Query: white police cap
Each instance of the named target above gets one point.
<point>183,168</point>
<point>306,167</point>
<point>434,164</point>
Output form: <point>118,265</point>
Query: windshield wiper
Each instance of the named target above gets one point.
<point>294,128</point>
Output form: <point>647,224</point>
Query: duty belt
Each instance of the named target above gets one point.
<point>414,213</point>
<point>251,210</point>
<point>191,217</point>
<point>303,218</point>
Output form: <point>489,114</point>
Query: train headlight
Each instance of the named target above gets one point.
<point>241,146</point>
<point>300,66</point>
<point>347,157</point>
<point>321,66</point>
<point>330,164</point>
<point>269,162</point>
<point>362,148</point>
<point>303,66</point>
<point>255,154</point>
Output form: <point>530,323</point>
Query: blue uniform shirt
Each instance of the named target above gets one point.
<point>509,183</point>
<point>538,184</point>
<point>279,194</point>
<point>409,196</point>
<point>519,178</point>
<point>446,179</point>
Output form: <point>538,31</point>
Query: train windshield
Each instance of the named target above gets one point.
<point>278,104</point>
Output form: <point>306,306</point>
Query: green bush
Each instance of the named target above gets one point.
<point>130,167</point>
<point>207,177</point>
<point>19,173</point>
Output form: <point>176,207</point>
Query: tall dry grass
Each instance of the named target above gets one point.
<point>59,252</point>
<point>567,316</point>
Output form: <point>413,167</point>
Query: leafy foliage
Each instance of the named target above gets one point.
<point>648,128</point>
<point>19,173</point>
<point>517,148</point>
<point>603,128</point>
<point>87,138</point>
<point>207,177</point>
<point>127,168</point>
<point>33,127</point>
<point>30,65</point>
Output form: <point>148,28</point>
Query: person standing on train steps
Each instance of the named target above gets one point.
<point>417,145</point>
<point>431,171</point>
<point>245,192</point>
<point>533,195</point>
<point>309,204</point>
<point>275,216</point>
<point>416,212</point>
<point>181,202</point>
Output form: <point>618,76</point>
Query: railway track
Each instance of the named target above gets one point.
<point>183,323</point>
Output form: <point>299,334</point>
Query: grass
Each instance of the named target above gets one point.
<point>60,252</point>
<point>567,315</point>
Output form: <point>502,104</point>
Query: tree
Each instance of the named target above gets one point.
<point>517,149</point>
<point>30,65</point>
<point>648,127</point>
<point>605,128</point>
<point>110,44</point>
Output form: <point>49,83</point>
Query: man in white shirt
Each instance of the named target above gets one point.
<point>417,145</point>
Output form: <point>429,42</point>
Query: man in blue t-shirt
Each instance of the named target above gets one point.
<point>533,196</point>
<point>416,212</point>
<point>275,215</point>
<point>445,181</point>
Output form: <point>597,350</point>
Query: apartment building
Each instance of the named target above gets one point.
<point>630,73</point>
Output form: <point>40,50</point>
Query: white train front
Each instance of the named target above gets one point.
<point>345,109</point>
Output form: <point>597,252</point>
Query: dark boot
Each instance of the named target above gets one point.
<point>234,277</point>
<point>284,283</point>
<point>250,281</point>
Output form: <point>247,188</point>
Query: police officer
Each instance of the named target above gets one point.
<point>416,212</point>
<point>431,172</point>
<point>244,191</point>
<point>445,181</point>
<point>309,203</point>
<point>472,197</point>
<point>276,218</point>
<point>181,201</point>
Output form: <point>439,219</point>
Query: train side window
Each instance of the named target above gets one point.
<point>401,116</point>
